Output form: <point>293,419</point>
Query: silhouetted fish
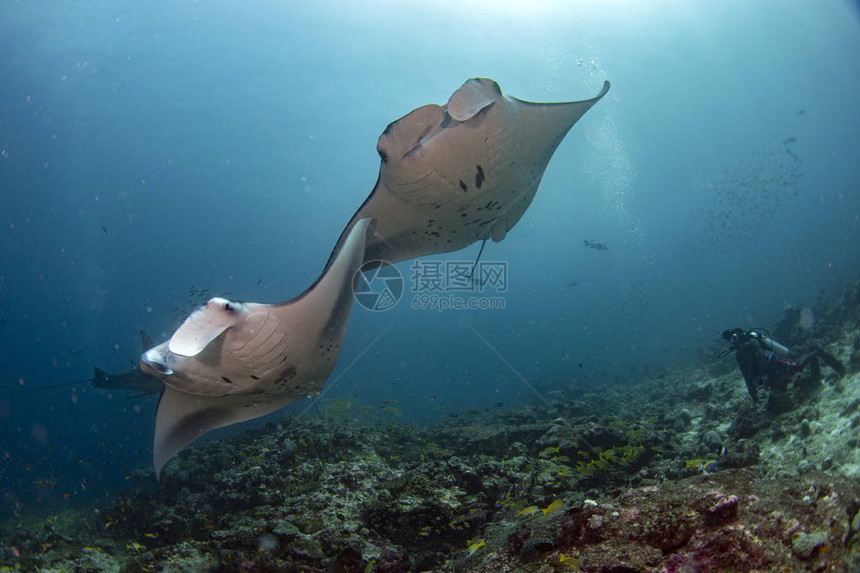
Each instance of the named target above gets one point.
<point>596,245</point>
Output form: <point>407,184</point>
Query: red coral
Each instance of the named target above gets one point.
<point>723,511</point>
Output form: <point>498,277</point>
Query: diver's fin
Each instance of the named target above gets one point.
<point>831,361</point>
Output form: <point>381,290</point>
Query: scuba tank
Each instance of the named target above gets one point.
<point>769,343</point>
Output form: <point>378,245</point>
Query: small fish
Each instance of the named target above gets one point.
<point>710,467</point>
<point>572,284</point>
<point>707,466</point>
<point>560,459</point>
<point>554,506</point>
<point>88,550</point>
<point>150,535</point>
<point>547,452</point>
<point>567,561</point>
<point>106,230</point>
<point>530,510</point>
<point>596,245</point>
<point>259,281</point>
<point>789,140</point>
<point>800,112</point>
<point>474,546</point>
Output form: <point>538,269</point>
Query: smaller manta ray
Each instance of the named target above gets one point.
<point>133,381</point>
<point>596,245</point>
<point>464,172</point>
<point>235,361</point>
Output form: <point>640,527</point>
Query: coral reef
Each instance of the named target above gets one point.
<point>674,472</point>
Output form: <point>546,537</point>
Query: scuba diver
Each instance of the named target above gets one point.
<point>765,365</point>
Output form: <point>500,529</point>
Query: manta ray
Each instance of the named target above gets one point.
<point>135,380</point>
<point>234,361</point>
<point>462,172</point>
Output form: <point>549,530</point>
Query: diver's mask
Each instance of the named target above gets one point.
<point>733,336</point>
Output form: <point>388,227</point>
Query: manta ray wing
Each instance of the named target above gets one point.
<point>182,418</point>
<point>456,174</point>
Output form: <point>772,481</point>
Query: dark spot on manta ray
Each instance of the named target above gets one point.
<point>463,186</point>
<point>479,176</point>
<point>227,380</point>
<point>464,214</point>
<point>255,377</point>
<point>288,373</point>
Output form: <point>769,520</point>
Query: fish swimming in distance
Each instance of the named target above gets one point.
<point>596,245</point>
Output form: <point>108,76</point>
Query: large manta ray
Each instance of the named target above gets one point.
<point>463,172</point>
<point>235,361</point>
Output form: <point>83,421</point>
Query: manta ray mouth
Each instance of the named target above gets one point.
<point>155,360</point>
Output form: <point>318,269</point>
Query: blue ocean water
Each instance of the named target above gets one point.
<point>155,154</point>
